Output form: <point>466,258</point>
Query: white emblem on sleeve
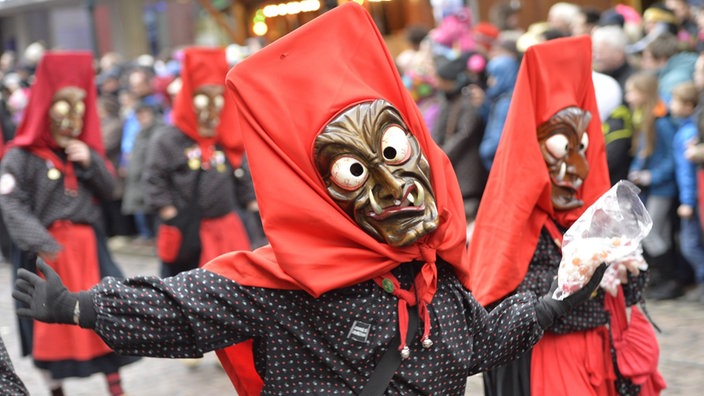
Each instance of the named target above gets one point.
<point>359,331</point>
<point>7,183</point>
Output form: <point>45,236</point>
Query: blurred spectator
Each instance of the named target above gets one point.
<point>18,96</point>
<point>485,35</point>
<point>459,129</point>
<point>502,71</point>
<point>609,53</point>
<point>139,90</point>
<point>110,60</point>
<point>616,123</point>
<point>687,30</point>
<point>111,130</point>
<point>561,16</point>
<point>453,35</point>
<point>418,72</point>
<point>134,198</point>
<point>684,101</point>
<point>672,66</point>
<point>505,15</point>
<point>611,17</point>
<point>8,61</point>
<point>586,20</point>
<point>415,56</point>
<point>657,19</point>
<point>653,170</point>
<point>422,86</point>
<point>31,57</point>
<point>532,36</point>
<point>109,82</point>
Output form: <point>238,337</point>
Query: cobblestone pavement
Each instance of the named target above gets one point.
<point>681,344</point>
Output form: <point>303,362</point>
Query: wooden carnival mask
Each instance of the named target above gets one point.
<point>563,142</point>
<point>374,170</point>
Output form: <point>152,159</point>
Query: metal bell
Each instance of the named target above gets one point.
<point>405,353</point>
<point>427,343</point>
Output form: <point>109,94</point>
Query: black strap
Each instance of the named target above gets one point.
<point>385,369</point>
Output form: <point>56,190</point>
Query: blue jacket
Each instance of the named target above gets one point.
<point>661,163</point>
<point>504,70</point>
<point>685,171</point>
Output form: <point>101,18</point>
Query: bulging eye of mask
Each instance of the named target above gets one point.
<point>61,108</point>
<point>200,101</point>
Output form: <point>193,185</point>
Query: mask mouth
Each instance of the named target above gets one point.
<point>413,201</point>
<point>565,198</point>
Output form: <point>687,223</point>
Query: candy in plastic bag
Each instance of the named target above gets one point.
<point>609,230</point>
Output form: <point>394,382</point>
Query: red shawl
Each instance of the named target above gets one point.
<point>206,66</point>
<point>517,199</point>
<point>57,70</point>
<point>285,94</point>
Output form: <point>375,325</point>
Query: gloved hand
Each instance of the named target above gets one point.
<point>547,309</point>
<point>46,300</point>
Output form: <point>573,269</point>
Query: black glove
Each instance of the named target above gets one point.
<point>547,309</point>
<point>46,300</point>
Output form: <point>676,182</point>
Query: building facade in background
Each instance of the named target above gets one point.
<point>158,27</point>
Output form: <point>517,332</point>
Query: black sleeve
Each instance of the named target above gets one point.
<point>182,316</point>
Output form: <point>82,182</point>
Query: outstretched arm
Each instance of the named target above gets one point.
<point>182,316</point>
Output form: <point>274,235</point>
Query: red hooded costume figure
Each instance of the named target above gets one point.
<point>518,204</point>
<point>56,71</point>
<point>206,66</point>
<point>517,201</point>
<point>50,202</point>
<point>205,157</point>
<point>285,95</point>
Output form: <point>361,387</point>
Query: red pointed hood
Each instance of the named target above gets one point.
<point>57,70</point>
<point>517,199</point>
<point>206,66</point>
<point>285,94</point>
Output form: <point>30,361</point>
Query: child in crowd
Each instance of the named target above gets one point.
<point>684,100</point>
<point>653,170</point>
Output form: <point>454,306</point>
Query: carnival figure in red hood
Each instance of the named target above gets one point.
<point>52,179</point>
<point>189,172</point>
<point>367,239</point>
<point>550,166</point>
<point>193,175</point>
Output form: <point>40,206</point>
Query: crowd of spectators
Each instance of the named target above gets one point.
<point>662,44</point>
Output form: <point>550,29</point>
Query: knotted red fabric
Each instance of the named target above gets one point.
<point>285,95</point>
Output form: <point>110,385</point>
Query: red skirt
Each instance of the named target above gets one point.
<point>575,364</point>
<point>77,265</point>
<point>222,235</point>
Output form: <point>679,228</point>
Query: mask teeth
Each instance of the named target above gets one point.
<point>375,205</point>
<point>420,197</point>
<point>563,170</point>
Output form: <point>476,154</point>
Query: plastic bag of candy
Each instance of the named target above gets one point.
<point>609,231</point>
